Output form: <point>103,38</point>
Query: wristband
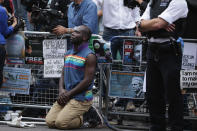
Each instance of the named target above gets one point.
<point>69,30</point>
<point>138,24</point>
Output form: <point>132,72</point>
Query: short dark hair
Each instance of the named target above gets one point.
<point>86,32</point>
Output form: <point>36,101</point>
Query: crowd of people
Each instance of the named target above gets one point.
<point>162,21</point>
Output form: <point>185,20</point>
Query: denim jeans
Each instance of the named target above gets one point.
<point>117,43</point>
<point>20,11</point>
<point>2,60</point>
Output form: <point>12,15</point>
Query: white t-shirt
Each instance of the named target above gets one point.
<point>175,10</point>
<point>118,16</point>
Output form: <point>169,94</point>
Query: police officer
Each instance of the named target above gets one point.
<point>162,20</point>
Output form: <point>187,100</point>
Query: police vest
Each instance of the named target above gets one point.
<point>157,7</point>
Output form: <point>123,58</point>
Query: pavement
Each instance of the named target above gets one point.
<point>45,128</point>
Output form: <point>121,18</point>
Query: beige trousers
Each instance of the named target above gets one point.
<point>68,117</point>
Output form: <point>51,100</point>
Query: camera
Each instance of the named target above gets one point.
<point>131,3</point>
<point>19,26</point>
<point>46,18</point>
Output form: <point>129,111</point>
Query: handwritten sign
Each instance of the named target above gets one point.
<point>54,48</point>
<point>53,68</point>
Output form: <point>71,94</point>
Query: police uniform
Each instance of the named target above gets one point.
<point>164,65</point>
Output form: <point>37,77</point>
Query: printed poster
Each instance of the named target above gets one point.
<point>126,84</point>
<point>17,80</point>
<point>189,56</point>
<point>188,79</point>
<point>132,52</point>
<point>15,49</point>
<point>33,48</point>
<point>15,46</point>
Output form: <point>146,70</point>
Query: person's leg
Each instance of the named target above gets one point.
<point>71,116</point>
<point>24,15</point>
<point>155,94</point>
<point>2,60</point>
<point>52,115</point>
<point>21,12</point>
<point>108,34</point>
<point>16,8</point>
<point>171,66</point>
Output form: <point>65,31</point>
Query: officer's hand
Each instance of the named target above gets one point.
<point>170,28</point>
<point>138,33</point>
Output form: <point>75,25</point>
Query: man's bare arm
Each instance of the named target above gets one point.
<point>153,24</point>
<point>61,83</point>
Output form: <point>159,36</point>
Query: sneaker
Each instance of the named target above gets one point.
<point>92,118</point>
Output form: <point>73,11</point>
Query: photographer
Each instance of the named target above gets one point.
<point>4,30</point>
<point>80,12</point>
<point>46,15</point>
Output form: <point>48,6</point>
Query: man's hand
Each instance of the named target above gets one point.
<point>138,33</point>
<point>63,98</point>
<point>14,22</point>
<point>170,28</point>
<point>60,30</point>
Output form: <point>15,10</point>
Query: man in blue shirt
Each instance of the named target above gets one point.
<point>75,85</point>
<point>80,12</point>
<point>4,30</point>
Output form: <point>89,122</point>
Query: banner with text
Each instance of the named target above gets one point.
<point>17,80</point>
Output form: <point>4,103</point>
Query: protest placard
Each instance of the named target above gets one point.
<point>189,56</point>
<point>53,67</point>
<point>33,48</point>
<point>17,80</point>
<point>54,48</point>
<point>126,84</point>
<point>188,79</point>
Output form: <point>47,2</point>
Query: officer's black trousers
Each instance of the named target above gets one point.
<point>163,86</point>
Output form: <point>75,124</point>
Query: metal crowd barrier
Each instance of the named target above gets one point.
<point>114,111</point>
<point>44,91</point>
